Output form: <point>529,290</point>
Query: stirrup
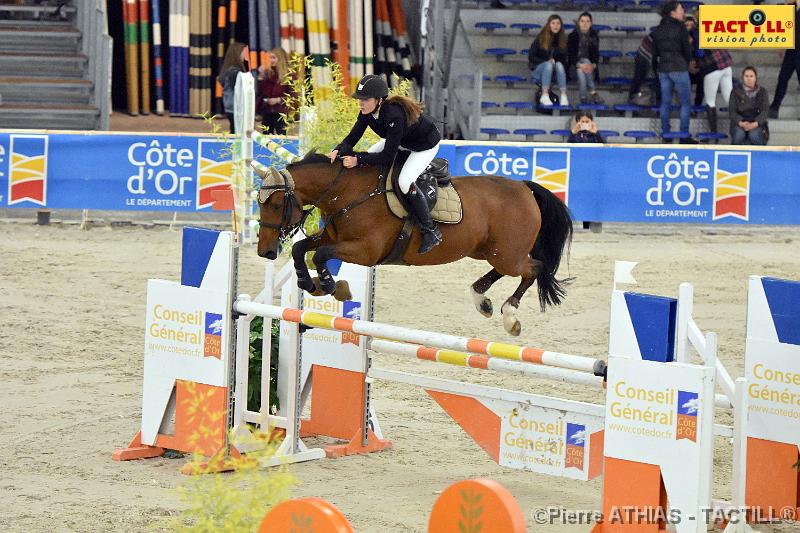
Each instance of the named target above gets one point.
<point>431,238</point>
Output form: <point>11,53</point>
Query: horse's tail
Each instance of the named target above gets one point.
<point>554,235</point>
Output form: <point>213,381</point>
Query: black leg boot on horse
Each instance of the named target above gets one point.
<point>431,235</point>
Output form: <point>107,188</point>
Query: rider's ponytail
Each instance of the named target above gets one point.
<point>412,108</point>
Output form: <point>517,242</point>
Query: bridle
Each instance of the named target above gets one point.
<point>287,229</point>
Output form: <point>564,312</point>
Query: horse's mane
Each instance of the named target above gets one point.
<point>312,157</point>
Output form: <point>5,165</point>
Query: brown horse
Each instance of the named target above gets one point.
<point>519,227</point>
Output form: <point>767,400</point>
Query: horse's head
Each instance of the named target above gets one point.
<point>280,212</point>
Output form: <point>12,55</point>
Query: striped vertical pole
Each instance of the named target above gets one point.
<point>133,51</point>
<point>369,36</point>
<point>298,28</point>
<point>356,43</point>
<point>284,18</point>
<point>144,34</point>
<point>157,60</point>
<point>264,30</point>
<point>206,75</point>
<point>275,20</point>
<point>403,48</point>
<point>194,57</point>
<point>381,26</point>
<point>172,67</point>
<point>342,51</point>
<point>314,41</point>
<point>233,14</point>
<point>185,15</point>
<point>252,34</point>
<point>222,17</point>
<point>126,40</point>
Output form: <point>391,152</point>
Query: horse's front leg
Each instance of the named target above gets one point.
<point>327,285</point>
<point>299,251</point>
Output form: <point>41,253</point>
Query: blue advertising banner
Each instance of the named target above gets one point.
<point>653,183</point>
<point>114,172</point>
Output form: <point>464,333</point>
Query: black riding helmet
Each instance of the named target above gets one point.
<point>371,86</point>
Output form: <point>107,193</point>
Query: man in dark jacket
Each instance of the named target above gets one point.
<point>671,56</point>
<point>789,66</point>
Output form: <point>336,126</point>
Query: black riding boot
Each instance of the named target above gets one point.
<point>431,236</point>
<point>711,113</point>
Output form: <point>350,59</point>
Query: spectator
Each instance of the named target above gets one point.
<point>716,67</point>
<point>272,89</point>
<point>235,61</point>
<point>548,53</point>
<point>583,53</point>
<point>584,130</point>
<point>641,67</point>
<point>748,111</point>
<point>671,55</point>
<point>789,66</point>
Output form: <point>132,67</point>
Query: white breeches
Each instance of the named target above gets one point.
<point>719,79</point>
<point>415,165</point>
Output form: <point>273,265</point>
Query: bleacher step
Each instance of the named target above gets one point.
<point>43,64</point>
<point>32,38</point>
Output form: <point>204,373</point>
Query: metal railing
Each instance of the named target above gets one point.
<point>453,80</point>
<point>96,45</point>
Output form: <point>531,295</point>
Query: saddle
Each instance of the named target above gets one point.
<point>443,199</point>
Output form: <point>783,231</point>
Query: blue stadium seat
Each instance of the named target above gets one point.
<point>586,4</point>
<point>529,133</point>
<point>519,105</point>
<point>628,109</point>
<point>517,2</point>
<point>632,54</point>
<point>525,27</point>
<point>509,79</point>
<point>489,27</point>
<point>651,3</point>
<point>556,108</point>
<point>524,51</point>
<point>598,27</point>
<point>499,53</point>
<point>563,133</point>
<point>605,134</point>
<point>550,2</point>
<point>489,105</point>
<point>698,109</point>
<point>711,136</point>
<point>486,77</point>
<point>593,107</point>
<point>688,5</point>
<point>640,134</point>
<point>568,27</point>
<point>631,29</point>
<point>621,4</point>
<point>672,107</point>
<point>675,135</point>
<point>494,132</point>
<point>606,55</point>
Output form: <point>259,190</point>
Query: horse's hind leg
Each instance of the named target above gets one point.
<point>478,291</point>
<point>509,310</point>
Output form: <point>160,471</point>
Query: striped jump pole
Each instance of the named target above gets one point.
<point>452,357</point>
<point>425,338</point>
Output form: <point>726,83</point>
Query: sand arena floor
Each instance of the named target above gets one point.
<point>72,306</point>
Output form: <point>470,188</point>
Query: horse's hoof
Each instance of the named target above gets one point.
<point>510,322</point>
<point>318,291</point>
<point>482,303</point>
<point>342,291</point>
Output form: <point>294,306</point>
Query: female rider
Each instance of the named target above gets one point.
<point>399,121</point>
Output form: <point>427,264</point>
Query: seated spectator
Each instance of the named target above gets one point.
<point>548,54</point>
<point>748,111</point>
<point>641,67</point>
<point>584,130</point>
<point>273,87</point>
<point>583,53</point>
<point>671,55</point>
